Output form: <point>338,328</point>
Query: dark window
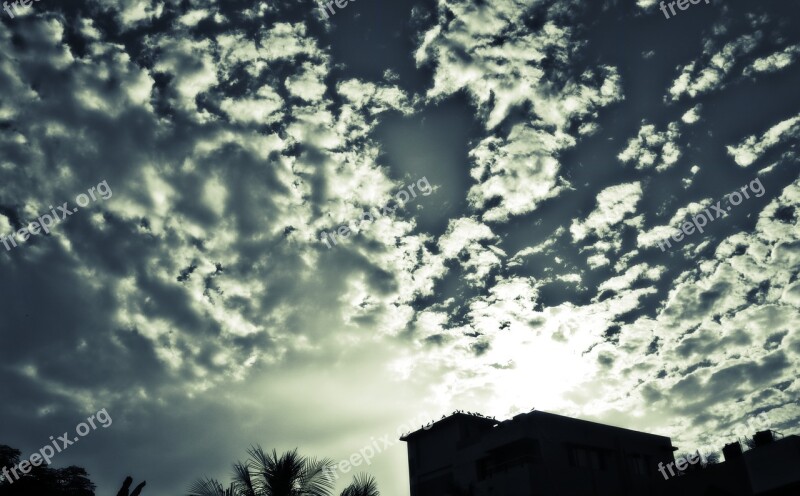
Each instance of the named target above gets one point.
<point>587,457</point>
<point>516,454</point>
<point>637,465</point>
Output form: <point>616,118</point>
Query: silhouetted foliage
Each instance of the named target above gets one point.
<point>363,485</point>
<point>43,480</point>
<point>289,474</point>
<point>123,491</point>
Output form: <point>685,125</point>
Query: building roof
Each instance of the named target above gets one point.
<point>455,416</point>
<point>491,422</point>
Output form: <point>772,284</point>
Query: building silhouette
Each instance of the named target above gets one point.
<point>535,453</point>
<point>543,454</point>
<point>770,468</point>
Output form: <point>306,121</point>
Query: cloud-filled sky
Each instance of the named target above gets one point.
<point>562,140</point>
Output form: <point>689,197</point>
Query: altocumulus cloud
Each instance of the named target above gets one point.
<point>201,309</point>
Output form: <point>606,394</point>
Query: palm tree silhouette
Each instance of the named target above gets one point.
<point>363,485</point>
<point>290,474</point>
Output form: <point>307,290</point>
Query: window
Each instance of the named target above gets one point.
<point>637,465</point>
<point>512,455</point>
<point>587,457</point>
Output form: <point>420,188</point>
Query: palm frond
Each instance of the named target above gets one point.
<point>209,487</point>
<point>363,485</point>
<point>315,479</point>
<point>261,464</point>
<point>278,475</point>
<point>267,473</point>
<point>242,480</point>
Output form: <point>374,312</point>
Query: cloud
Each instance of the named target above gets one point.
<point>693,114</point>
<point>653,149</point>
<point>520,171</point>
<point>232,138</point>
<point>655,235</point>
<point>707,351</point>
<point>753,148</point>
<point>470,238</point>
<point>496,36</point>
<point>774,62</point>
<point>209,177</point>
<point>613,205</point>
<point>134,13</point>
<point>264,108</point>
<point>633,274</point>
<point>709,72</point>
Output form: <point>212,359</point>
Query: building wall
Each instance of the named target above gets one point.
<point>775,465</point>
<point>432,454</point>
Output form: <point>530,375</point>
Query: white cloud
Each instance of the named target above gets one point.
<point>638,272</point>
<point>362,95</point>
<point>521,170</point>
<point>752,148</point>
<point>309,84</point>
<point>774,62</point>
<point>193,17</point>
<point>526,170</point>
<point>693,114</point>
<point>652,237</point>
<point>653,149</point>
<point>613,205</point>
<point>264,108</point>
<point>709,72</point>
<point>194,60</point>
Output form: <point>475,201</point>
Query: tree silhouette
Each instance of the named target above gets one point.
<point>46,481</point>
<point>363,485</point>
<point>289,474</point>
<point>43,480</point>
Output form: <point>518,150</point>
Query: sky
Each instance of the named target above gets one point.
<point>518,166</point>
